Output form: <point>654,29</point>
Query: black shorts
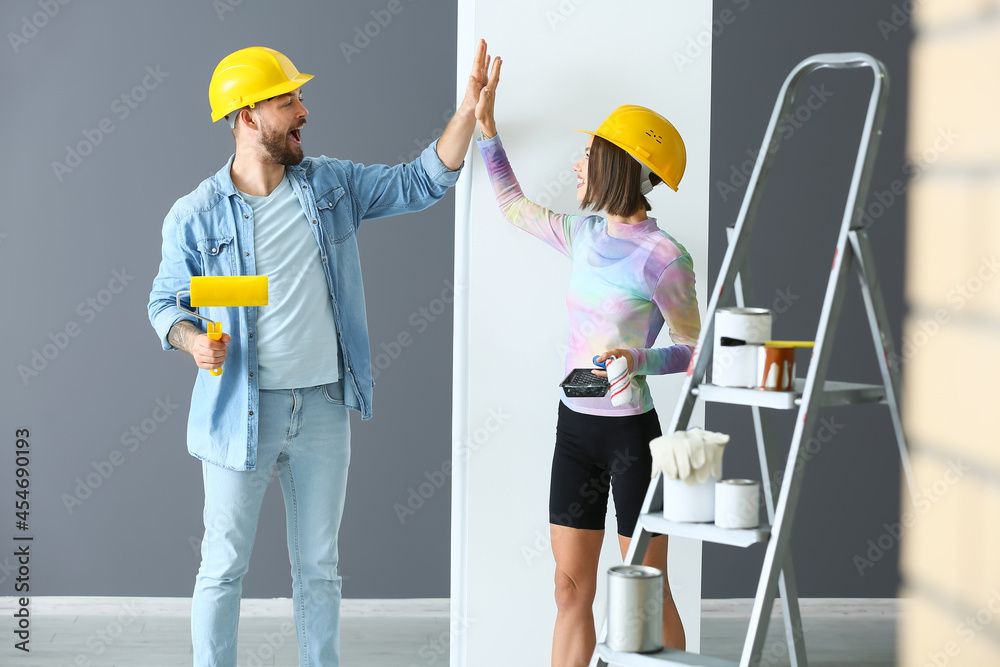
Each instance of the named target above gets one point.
<point>594,454</point>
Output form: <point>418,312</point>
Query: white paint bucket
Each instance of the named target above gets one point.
<point>689,503</point>
<point>736,366</point>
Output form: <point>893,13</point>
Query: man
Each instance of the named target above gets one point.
<point>294,367</point>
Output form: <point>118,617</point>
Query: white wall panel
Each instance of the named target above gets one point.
<point>566,65</point>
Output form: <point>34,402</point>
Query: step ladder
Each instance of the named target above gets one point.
<point>781,491</point>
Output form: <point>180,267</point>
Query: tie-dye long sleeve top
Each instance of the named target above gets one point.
<point>627,282</point>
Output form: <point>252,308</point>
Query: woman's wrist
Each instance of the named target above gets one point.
<point>487,132</point>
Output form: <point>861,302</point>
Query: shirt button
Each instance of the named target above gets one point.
<point>246,217</point>
<point>247,254</point>
<point>348,369</point>
<point>314,222</point>
<point>303,187</point>
<point>251,335</point>
<point>251,375</point>
<point>215,250</point>
<point>251,413</point>
<point>324,259</point>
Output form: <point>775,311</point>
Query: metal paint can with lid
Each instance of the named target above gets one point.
<point>737,503</point>
<point>635,609</point>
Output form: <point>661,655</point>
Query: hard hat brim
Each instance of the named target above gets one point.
<point>273,91</point>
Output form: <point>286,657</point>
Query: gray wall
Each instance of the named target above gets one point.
<point>851,485</point>
<point>61,239</point>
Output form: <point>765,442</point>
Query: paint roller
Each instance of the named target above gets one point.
<point>224,291</point>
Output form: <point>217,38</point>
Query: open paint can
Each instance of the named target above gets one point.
<point>635,609</point>
<point>736,365</point>
<point>775,368</point>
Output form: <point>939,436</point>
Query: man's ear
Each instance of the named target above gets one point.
<point>248,119</point>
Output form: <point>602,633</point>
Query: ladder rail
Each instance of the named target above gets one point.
<point>778,547</point>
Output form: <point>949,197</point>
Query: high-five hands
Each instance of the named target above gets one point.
<point>487,95</point>
<point>693,455</point>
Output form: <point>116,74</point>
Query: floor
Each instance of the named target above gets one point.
<point>146,632</point>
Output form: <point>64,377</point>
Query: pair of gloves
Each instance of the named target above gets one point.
<point>693,455</point>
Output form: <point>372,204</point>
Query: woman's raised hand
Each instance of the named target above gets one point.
<point>484,109</point>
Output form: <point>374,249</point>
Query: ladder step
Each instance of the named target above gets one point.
<point>667,656</point>
<point>706,532</point>
<point>834,394</point>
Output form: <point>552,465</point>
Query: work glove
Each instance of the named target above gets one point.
<point>693,455</point>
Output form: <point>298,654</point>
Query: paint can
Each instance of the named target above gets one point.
<point>776,368</point>
<point>689,503</point>
<point>737,503</point>
<point>736,366</point>
<point>635,609</point>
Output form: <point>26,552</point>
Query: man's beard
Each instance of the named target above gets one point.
<point>277,147</point>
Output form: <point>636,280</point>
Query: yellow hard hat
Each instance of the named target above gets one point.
<point>649,138</point>
<point>250,75</point>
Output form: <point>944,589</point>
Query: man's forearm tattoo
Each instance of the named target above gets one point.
<point>182,335</point>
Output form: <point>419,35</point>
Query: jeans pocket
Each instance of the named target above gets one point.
<point>334,392</point>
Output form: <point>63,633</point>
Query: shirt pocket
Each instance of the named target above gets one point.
<point>218,256</point>
<point>335,214</point>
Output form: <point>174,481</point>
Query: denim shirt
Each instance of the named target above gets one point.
<point>209,232</point>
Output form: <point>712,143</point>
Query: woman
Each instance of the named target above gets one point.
<point>629,278</point>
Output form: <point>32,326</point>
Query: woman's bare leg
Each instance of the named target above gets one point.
<point>656,556</point>
<point>577,552</point>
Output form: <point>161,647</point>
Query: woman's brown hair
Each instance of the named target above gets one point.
<point>613,178</point>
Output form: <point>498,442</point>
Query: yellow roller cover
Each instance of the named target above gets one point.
<point>228,291</point>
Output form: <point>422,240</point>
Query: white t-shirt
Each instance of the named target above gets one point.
<point>296,332</point>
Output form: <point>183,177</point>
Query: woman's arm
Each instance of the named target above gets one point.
<point>556,229</point>
<point>674,295</point>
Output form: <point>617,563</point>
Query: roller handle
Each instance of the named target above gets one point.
<point>214,333</point>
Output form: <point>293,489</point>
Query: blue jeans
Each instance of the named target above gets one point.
<point>305,433</point>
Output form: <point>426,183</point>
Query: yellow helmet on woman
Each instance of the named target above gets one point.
<point>250,75</point>
<point>649,138</point>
